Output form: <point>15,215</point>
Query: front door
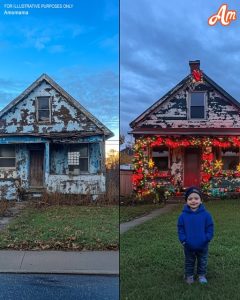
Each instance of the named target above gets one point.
<point>36,168</point>
<point>192,167</point>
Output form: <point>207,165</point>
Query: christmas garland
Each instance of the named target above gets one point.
<point>145,174</point>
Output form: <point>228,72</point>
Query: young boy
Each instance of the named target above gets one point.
<point>195,231</point>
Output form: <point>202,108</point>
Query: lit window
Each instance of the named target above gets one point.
<point>43,109</point>
<point>160,158</point>
<point>230,158</point>
<point>78,158</point>
<point>197,106</point>
<point>7,156</point>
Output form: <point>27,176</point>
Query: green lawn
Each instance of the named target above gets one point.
<point>63,227</point>
<point>127,213</point>
<point>152,258</point>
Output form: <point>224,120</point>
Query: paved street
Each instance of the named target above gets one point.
<point>60,262</point>
<point>59,287</point>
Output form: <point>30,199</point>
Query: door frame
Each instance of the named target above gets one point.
<point>199,151</point>
<point>31,150</point>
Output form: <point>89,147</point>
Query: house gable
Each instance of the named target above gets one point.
<point>172,110</point>
<point>67,115</point>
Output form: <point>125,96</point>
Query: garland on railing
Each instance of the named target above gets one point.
<point>145,173</point>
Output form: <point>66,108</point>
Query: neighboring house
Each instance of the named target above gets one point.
<point>49,142</point>
<point>126,156</point>
<point>191,136</point>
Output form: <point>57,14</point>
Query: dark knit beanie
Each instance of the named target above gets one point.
<point>192,189</point>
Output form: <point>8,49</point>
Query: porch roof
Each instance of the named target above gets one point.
<point>187,131</point>
<point>46,138</point>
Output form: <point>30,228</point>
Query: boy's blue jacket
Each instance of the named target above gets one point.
<point>195,228</point>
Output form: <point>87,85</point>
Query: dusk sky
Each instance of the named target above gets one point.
<point>77,47</point>
<point>157,40</point>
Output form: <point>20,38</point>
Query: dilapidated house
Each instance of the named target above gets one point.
<point>49,142</point>
<point>191,136</point>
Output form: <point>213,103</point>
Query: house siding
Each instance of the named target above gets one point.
<point>82,184</point>
<point>173,112</point>
<point>22,118</point>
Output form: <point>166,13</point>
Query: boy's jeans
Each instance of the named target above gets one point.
<point>190,258</point>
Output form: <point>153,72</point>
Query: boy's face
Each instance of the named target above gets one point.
<point>193,201</point>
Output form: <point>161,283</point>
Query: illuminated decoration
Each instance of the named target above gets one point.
<point>147,178</point>
<point>197,75</point>
<point>238,167</point>
<point>151,163</point>
<point>218,165</point>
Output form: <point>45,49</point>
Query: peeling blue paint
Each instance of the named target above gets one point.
<point>59,159</point>
<point>94,157</point>
<point>55,163</point>
<point>7,190</point>
<point>21,139</point>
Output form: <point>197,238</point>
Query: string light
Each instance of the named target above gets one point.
<point>146,175</point>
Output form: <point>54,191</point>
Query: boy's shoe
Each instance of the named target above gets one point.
<point>202,279</point>
<point>189,279</point>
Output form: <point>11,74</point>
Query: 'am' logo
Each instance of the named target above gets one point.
<point>224,16</point>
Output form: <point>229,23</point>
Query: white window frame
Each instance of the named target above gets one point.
<point>189,106</point>
<point>84,157</point>
<point>50,109</point>
<point>7,157</point>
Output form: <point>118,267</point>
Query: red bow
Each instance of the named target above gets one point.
<point>197,74</point>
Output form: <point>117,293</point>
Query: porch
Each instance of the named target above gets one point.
<point>36,165</point>
<point>177,162</point>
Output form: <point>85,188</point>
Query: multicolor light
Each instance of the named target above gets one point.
<point>146,175</point>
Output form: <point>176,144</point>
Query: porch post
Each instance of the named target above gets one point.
<point>47,163</point>
<point>102,149</point>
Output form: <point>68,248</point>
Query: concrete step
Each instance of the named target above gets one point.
<point>34,193</point>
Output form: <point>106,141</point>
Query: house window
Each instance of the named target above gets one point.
<point>43,112</point>
<point>230,158</point>
<point>78,158</point>
<point>160,156</point>
<point>197,106</point>
<point>7,156</point>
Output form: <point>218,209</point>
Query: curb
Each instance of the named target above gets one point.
<point>63,272</point>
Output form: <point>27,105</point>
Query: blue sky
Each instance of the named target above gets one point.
<point>157,40</point>
<point>77,47</point>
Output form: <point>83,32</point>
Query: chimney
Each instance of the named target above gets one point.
<point>194,65</point>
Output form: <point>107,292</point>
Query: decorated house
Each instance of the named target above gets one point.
<point>50,143</point>
<point>191,136</point>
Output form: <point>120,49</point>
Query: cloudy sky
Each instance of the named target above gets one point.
<point>157,40</point>
<point>77,47</point>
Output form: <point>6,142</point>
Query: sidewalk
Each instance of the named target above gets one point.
<point>60,262</point>
<point>128,225</point>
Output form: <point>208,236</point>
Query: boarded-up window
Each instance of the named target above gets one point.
<point>7,156</point>
<point>230,158</point>
<point>160,156</point>
<point>78,158</point>
<point>197,106</point>
<point>43,105</point>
